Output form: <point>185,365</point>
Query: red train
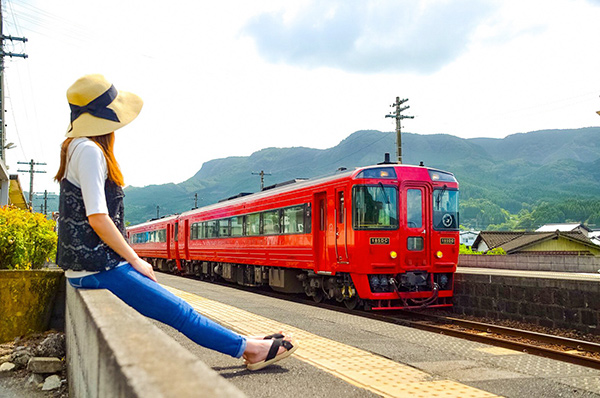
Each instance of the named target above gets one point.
<point>383,237</point>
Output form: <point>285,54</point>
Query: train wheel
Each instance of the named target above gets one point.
<point>318,297</point>
<point>352,303</point>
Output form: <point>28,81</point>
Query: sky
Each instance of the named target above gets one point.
<point>229,78</point>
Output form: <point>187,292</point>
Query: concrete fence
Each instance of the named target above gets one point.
<point>113,351</point>
<point>545,299</point>
<point>588,264</point>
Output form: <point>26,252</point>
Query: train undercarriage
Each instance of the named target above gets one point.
<point>338,287</point>
<point>284,280</point>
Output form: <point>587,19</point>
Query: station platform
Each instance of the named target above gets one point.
<point>343,355</point>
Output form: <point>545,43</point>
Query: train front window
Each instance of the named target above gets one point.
<point>374,207</point>
<point>445,209</point>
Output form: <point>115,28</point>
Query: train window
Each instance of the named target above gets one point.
<point>196,231</point>
<point>212,229</point>
<point>341,208</point>
<point>379,172</point>
<point>445,209</point>
<point>237,224</point>
<point>414,243</point>
<point>162,235</point>
<point>253,224</point>
<point>414,208</point>
<point>293,220</point>
<point>224,227</point>
<point>176,233</point>
<point>437,175</point>
<point>271,222</point>
<point>374,207</point>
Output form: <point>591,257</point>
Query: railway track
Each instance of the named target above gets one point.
<point>560,348</point>
<point>564,349</point>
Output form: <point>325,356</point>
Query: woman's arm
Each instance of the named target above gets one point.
<point>108,232</point>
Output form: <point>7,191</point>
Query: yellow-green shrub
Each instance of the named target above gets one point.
<point>27,239</point>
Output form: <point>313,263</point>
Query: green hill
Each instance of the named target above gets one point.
<point>507,176</point>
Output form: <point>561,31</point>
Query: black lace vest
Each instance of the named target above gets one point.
<point>79,247</point>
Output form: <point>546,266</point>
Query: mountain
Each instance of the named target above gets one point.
<point>513,173</point>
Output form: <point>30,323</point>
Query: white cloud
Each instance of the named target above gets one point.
<point>367,37</point>
<point>210,89</point>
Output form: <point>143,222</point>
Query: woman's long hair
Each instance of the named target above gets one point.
<point>106,143</point>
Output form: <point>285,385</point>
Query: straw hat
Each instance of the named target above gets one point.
<point>97,108</point>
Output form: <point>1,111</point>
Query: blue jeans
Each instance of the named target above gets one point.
<point>154,301</point>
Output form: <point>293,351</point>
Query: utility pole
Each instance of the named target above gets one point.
<point>2,55</point>
<point>196,201</point>
<point>4,176</point>
<point>31,171</point>
<point>262,175</point>
<point>399,118</point>
<point>44,206</point>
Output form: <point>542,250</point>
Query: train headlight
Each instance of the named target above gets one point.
<point>439,254</point>
<point>393,254</point>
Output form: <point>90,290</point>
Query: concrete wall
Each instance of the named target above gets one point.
<point>532,262</point>
<point>113,351</point>
<point>546,301</point>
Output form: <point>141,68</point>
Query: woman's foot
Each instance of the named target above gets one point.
<point>260,353</point>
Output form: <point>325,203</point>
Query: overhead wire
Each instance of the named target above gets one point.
<point>16,127</point>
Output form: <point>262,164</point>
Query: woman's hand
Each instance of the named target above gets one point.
<point>108,232</point>
<point>144,268</point>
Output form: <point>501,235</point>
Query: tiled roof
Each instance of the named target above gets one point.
<point>512,242</point>
<point>562,227</point>
<point>495,239</point>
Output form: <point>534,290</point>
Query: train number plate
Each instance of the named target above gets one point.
<point>447,241</point>
<point>380,241</point>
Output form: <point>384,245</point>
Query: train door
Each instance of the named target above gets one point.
<point>416,226</point>
<point>169,240</point>
<point>319,228</point>
<point>186,239</point>
<point>341,227</point>
<point>176,253</point>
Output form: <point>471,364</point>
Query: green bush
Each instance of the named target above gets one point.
<point>27,239</point>
<point>464,249</point>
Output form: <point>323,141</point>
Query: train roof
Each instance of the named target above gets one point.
<point>286,186</point>
<point>299,183</point>
<point>155,221</point>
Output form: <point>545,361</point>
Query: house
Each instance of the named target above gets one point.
<point>595,236</point>
<point>468,237</point>
<point>565,227</point>
<point>546,243</point>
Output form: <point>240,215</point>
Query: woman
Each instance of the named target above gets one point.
<point>91,244</point>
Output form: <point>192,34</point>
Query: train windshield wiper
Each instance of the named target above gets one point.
<point>387,200</point>
<point>439,196</point>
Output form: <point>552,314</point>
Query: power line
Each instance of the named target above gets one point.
<point>2,55</point>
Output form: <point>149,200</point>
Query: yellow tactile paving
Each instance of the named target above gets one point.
<point>358,367</point>
<point>499,351</point>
